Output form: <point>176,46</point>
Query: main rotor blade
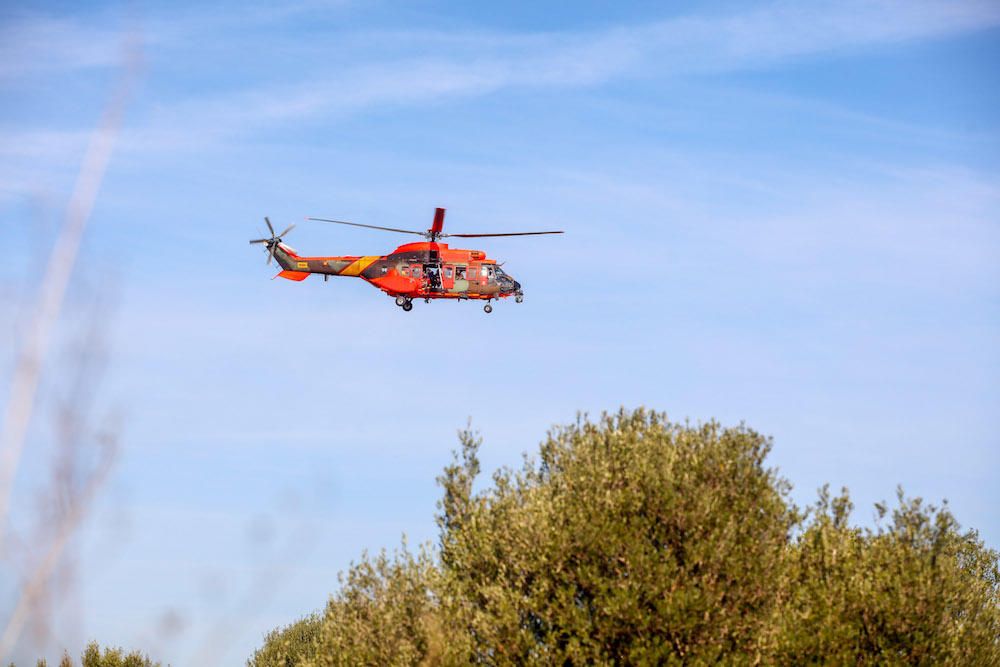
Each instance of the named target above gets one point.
<point>268,221</point>
<point>259,241</point>
<point>290,228</point>
<point>477,236</point>
<point>357,224</point>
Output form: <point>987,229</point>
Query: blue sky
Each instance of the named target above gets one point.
<point>781,213</point>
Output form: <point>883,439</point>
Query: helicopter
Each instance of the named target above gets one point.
<point>422,270</point>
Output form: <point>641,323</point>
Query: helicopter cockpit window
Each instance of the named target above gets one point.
<point>405,271</point>
<point>385,269</point>
<point>415,271</point>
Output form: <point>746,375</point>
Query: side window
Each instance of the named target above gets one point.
<point>460,273</point>
<point>482,272</point>
<point>447,272</point>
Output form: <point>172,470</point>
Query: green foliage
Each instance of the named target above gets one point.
<point>630,540</point>
<point>918,591</point>
<point>113,657</point>
<point>634,540</point>
<point>383,615</point>
<point>289,646</point>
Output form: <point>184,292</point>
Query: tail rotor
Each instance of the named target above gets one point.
<point>272,243</point>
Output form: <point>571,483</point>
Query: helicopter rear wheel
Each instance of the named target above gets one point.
<point>518,299</point>
<point>488,308</point>
<point>400,300</point>
<point>407,306</point>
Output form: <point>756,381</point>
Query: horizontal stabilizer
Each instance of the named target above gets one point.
<point>293,275</point>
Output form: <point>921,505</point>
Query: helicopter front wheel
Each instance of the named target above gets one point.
<point>400,300</point>
<point>407,306</point>
<point>488,308</point>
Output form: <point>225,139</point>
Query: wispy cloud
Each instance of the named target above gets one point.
<point>785,30</point>
<point>34,44</point>
<point>344,74</point>
<point>477,64</point>
<point>482,62</point>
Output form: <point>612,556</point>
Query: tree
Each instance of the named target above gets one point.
<point>384,614</point>
<point>289,646</point>
<point>629,540</point>
<point>113,657</point>
<point>918,591</point>
<point>634,540</point>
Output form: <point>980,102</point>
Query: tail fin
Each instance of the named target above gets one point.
<point>438,222</point>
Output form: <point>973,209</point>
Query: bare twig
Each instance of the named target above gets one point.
<point>38,579</point>
<point>74,462</point>
<point>24,383</point>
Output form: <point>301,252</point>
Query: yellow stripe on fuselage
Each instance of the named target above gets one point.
<point>357,266</point>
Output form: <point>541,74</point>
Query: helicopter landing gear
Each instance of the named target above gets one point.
<point>400,300</point>
<point>519,298</point>
<point>408,306</point>
<point>488,308</point>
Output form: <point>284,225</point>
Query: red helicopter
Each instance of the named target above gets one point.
<point>422,270</point>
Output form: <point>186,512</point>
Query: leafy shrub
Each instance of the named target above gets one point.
<point>111,657</point>
<point>383,615</point>
<point>635,540</point>
<point>289,646</point>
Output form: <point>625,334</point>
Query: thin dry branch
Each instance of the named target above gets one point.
<point>27,370</point>
<point>37,580</point>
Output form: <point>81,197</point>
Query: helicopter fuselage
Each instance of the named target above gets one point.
<point>423,270</point>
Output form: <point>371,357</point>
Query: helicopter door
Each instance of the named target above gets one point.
<point>448,277</point>
<point>433,274</point>
<point>474,280</point>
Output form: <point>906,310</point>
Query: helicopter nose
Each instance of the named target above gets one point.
<point>507,284</point>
